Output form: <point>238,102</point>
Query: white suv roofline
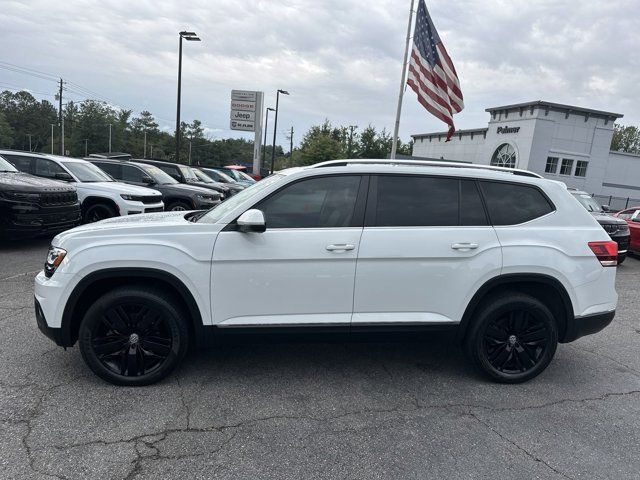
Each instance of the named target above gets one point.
<point>425,163</point>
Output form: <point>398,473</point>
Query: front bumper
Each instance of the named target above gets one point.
<point>26,221</point>
<point>129,207</point>
<point>622,241</point>
<point>587,325</point>
<point>54,334</point>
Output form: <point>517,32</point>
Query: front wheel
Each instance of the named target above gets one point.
<point>178,207</point>
<point>513,338</point>
<point>133,336</point>
<point>98,211</point>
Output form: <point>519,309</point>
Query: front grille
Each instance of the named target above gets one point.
<point>148,199</point>
<point>58,198</point>
<point>153,210</point>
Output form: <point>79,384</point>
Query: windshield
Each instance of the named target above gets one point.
<point>160,177</point>
<point>245,176</point>
<point>203,177</point>
<point>6,166</point>
<point>188,174</point>
<point>216,213</point>
<point>589,202</point>
<point>221,176</point>
<point>87,172</point>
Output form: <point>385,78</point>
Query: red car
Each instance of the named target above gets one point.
<point>243,169</point>
<point>632,216</point>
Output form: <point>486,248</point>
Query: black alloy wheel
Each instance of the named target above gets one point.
<point>97,212</point>
<point>133,336</point>
<point>132,339</point>
<point>514,338</point>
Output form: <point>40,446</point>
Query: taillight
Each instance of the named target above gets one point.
<point>607,252</point>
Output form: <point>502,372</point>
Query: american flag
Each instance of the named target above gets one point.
<point>431,72</point>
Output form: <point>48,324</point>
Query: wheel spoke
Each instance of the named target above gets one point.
<point>161,349</point>
<point>534,335</point>
<point>494,332</point>
<point>132,361</point>
<point>109,347</point>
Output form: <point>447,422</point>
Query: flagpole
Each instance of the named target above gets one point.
<point>394,144</point>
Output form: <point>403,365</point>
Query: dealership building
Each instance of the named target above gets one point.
<point>560,142</point>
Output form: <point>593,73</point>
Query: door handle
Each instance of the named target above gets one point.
<point>340,247</point>
<point>464,246</point>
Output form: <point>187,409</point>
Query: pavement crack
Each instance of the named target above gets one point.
<point>532,456</point>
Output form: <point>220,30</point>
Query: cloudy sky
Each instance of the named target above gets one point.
<point>340,59</point>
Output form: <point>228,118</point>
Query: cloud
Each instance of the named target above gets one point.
<point>340,59</point>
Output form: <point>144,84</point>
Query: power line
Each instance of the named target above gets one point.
<point>53,77</point>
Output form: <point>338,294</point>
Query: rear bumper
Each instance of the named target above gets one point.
<point>587,325</point>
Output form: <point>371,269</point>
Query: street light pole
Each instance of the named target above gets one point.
<point>264,148</point>
<point>52,124</point>
<point>275,128</point>
<point>109,138</point>
<point>86,147</point>
<point>144,154</point>
<point>29,135</point>
<point>191,37</point>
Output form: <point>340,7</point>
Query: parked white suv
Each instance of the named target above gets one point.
<point>511,261</point>
<point>100,195</point>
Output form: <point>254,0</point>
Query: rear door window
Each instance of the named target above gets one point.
<point>512,204</point>
<point>112,169</point>
<point>412,201</point>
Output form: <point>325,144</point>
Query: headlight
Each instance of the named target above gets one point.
<point>54,259</point>
<point>209,198</point>
<point>128,197</point>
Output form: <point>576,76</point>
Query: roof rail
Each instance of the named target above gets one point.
<point>425,163</point>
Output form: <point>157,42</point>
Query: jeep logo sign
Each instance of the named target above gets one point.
<point>508,129</point>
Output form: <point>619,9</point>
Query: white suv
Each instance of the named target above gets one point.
<point>100,195</point>
<point>511,261</point>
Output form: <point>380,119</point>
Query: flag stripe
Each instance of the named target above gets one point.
<point>431,72</point>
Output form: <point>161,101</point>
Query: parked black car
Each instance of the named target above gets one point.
<point>616,227</point>
<point>32,206</point>
<point>185,174</point>
<point>176,196</point>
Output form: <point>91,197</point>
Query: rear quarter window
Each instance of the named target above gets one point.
<point>512,204</point>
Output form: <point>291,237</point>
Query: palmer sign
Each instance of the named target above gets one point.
<point>508,129</point>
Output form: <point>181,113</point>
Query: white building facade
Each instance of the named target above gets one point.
<point>560,142</point>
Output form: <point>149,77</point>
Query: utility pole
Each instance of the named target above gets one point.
<point>144,154</point>
<point>61,119</point>
<point>351,128</point>
<point>109,138</point>
<point>291,147</point>
<point>29,135</point>
<point>52,124</point>
<point>190,142</point>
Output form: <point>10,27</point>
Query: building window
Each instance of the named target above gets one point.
<point>566,167</point>
<point>504,156</point>
<point>581,168</point>
<point>552,165</point>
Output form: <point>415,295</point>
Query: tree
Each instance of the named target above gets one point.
<point>27,117</point>
<point>625,139</point>
<point>322,143</point>
<point>6,132</point>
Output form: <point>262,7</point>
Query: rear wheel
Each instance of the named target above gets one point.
<point>513,338</point>
<point>133,336</point>
<point>98,211</point>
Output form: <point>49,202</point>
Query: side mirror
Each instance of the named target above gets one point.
<point>64,176</point>
<point>252,221</point>
<point>636,216</point>
<point>148,180</point>
<point>606,208</point>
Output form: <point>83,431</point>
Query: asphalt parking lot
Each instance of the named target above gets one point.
<point>355,410</point>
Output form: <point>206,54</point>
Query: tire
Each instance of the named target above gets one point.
<point>497,339</point>
<point>133,336</point>
<point>98,211</point>
<point>621,258</point>
<point>178,206</point>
